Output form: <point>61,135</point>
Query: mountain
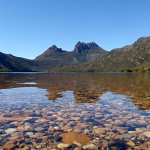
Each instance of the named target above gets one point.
<point>56,57</point>
<point>81,47</point>
<point>16,64</point>
<point>130,57</point>
<point>53,57</point>
<point>49,52</point>
<point>87,52</point>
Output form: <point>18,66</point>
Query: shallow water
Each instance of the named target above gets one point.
<point>112,109</point>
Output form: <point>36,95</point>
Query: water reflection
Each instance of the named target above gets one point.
<point>87,88</point>
<point>33,83</point>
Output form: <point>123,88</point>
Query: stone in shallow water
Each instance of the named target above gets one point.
<point>29,133</point>
<point>101,130</point>
<point>76,118</point>
<point>139,130</point>
<point>77,148</point>
<point>147,134</point>
<point>9,145</point>
<point>77,130</point>
<point>90,147</point>
<point>130,143</point>
<point>11,131</point>
<point>73,137</point>
<point>62,145</point>
<point>39,129</point>
<point>51,128</point>
<point>27,126</point>
<point>20,128</point>
<point>86,131</point>
<point>57,128</point>
<point>133,132</point>
<point>128,135</point>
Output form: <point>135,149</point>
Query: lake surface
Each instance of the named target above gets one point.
<point>75,111</point>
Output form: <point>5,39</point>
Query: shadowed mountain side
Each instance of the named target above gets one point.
<point>87,88</point>
<point>55,59</point>
<point>16,64</point>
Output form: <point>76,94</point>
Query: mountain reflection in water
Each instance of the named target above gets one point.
<point>87,88</point>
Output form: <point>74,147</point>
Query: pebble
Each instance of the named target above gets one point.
<point>62,145</point>
<point>139,130</point>
<point>9,146</point>
<point>11,131</point>
<point>75,138</point>
<point>86,131</point>
<point>77,148</point>
<point>90,147</point>
<point>57,128</point>
<point>29,133</point>
<point>127,136</point>
<point>77,130</point>
<point>39,129</point>
<point>130,143</point>
<point>147,134</point>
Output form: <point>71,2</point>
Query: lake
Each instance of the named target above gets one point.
<point>74,111</point>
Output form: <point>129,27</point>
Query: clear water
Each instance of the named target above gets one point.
<point>112,109</point>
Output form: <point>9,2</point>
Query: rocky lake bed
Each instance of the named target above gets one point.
<point>74,111</point>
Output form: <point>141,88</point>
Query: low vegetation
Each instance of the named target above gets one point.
<point>142,69</point>
<point>5,70</point>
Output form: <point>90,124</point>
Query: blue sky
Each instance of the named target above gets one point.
<point>29,27</point>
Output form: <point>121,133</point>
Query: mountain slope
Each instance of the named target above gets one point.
<point>56,57</point>
<point>13,63</point>
<point>132,56</point>
<point>53,57</point>
<point>86,57</point>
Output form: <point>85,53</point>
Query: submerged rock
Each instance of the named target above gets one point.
<point>147,134</point>
<point>62,145</point>
<point>11,131</point>
<point>130,143</point>
<point>90,146</point>
<point>9,145</point>
<point>73,137</point>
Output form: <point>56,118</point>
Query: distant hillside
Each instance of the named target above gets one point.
<point>16,64</point>
<point>132,56</point>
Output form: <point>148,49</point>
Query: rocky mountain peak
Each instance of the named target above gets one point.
<point>54,48</point>
<point>137,42</point>
<point>50,51</point>
<point>81,46</point>
<point>92,45</point>
<point>142,39</point>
